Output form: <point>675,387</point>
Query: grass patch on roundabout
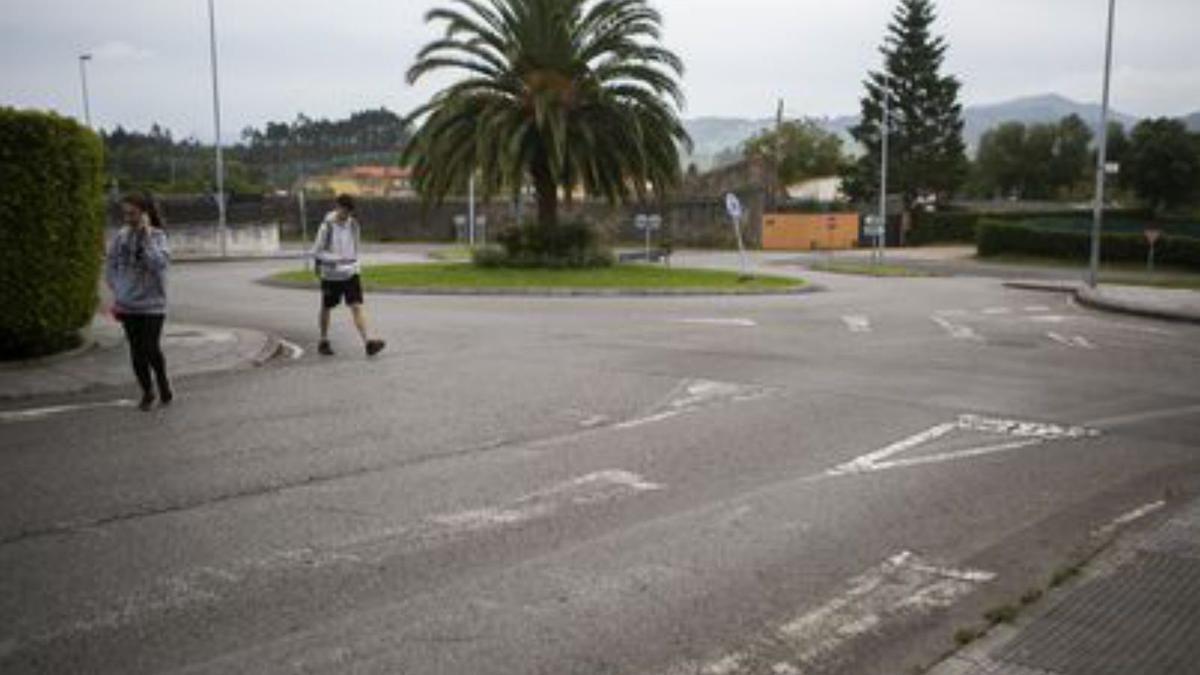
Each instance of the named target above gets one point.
<point>618,277</point>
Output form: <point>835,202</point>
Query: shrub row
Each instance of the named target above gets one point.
<point>1000,238</point>
<point>566,245</point>
<point>51,231</point>
<point>945,227</point>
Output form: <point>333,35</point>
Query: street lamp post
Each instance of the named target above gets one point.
<point>1101,154</point>
<point>884,131</point>
<point>222,230</point>
<point>87,110</point>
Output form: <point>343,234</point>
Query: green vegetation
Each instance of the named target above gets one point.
<point>1038,161</point>
<point>927,155</point>
<point>464,276</point>
<point>803,148</point>
<point>1001,614</point>
<point>997,238</point>
<point>1164,164</point>
<point>557,93</point>
<point>51,216</point>
<point>552,246</point>
<point>866,269</point>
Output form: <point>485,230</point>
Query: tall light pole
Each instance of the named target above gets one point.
<point>885,128</point>
<point>1102,153</point>
<point>87,110</point>
<point>222,230</point>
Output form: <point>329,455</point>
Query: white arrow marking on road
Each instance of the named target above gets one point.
<point>1037,308</point>
<point>1073,341</point>
<point>1059,339</point>
<point>32,414</point>
<point>956,331</point>
<point>995,311</point>
<point>1028,434</point>
<point>694,395</point>
<point>900,587</point>
<point>739,323</point>
<point>1050,318</point>
<point>857,323</point>
<point>1081,341</point>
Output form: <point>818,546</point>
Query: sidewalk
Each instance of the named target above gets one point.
<point>1134,611</point>
<point>104,360</point>
<point>1169,304</point>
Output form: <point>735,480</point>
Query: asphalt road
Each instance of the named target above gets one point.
<point>831,482</point>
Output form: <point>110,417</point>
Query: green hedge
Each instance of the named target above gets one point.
<point>947,227</point>
<point>999,238</point>
<point>51,231</point>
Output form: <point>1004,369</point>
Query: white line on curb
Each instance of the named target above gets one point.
<point>737,323</point>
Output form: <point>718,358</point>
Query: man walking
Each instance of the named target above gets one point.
<point>336,256</point>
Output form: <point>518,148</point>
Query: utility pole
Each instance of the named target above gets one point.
<point>222,229</point>
<point>885,128</point>
<point>1102,154</point>
<point>87,109</point>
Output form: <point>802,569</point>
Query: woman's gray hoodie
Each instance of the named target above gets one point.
<point>136,270</point>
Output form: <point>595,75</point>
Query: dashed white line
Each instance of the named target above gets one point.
<point>857,323</point>
<point>32,414</point>
<point>996,311</point>
<point>956,331</point>
<point>1129,517</point>
<point>736,323</point>
<point>1037,308</point>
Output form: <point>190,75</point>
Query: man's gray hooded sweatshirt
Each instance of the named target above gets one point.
<point>136,271</point>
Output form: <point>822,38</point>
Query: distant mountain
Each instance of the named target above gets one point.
<point>712,135</point>
<point>1193,121</point>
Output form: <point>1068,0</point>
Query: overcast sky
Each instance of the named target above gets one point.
<point>326,59</point>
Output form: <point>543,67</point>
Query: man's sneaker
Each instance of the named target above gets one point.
<point>147,401</point>
<point>166,396</point>
<point>324,349</point>
<point>375,346</point>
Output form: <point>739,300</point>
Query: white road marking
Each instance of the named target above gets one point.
<point>857,323</point>
<point>593,421</point>
<point>32,414</point>
<point>956,331</point>
<point>951,312</point>
<point>1073,341</point>
<point>1028,434</point>
<point>1037,308</point>
<point>901,587</point>
<point>1058,338</point>
<point>996,311</point>
<point>694,395</point>
<point>1133,418</point>
<point>1081,341</point>
<point>292,350</point>
<point>1129,517</point>
<point>206,584</point>
<point>740,323</point>
<point>1051,318</point>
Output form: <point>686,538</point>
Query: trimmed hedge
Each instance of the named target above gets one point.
<point>51,231</point>
<point>949,227</point>
<point>998,238</point>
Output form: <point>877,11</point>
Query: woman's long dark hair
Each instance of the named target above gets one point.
<point>143,202</point>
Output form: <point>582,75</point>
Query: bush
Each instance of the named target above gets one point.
<point>945,227</point>
<point>999,238</point>
<point>566,245</point>
<point>51,231</point>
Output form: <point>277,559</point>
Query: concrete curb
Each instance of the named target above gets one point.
<point>237,259</point>
<point>562,292</point>
<point>1097,300</point>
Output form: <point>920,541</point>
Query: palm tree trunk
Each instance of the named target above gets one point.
<point>547,197</point>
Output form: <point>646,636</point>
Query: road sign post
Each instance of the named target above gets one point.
<point>1152,235</point>
<point>734,207</point>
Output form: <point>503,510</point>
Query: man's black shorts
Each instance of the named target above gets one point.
<point>332,292</point>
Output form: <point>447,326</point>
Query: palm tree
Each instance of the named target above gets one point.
<point>561,93</point>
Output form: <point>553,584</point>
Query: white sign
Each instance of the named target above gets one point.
<point>1112,168</point>
<point>655,222</point>
<point>733,206</point>
<point>641,221</point>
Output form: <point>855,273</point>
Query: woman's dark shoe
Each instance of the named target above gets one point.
<point>167,395</point>
<point>147,402</point>
<point>324,349</point>
<point>375,346</point>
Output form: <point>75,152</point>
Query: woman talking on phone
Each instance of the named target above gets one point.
<point>136,271</point>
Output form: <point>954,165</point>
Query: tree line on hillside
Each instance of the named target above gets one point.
<point>265,159</point>
<point>1159,159</point>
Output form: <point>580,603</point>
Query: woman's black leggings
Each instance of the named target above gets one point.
<point>144,332</point>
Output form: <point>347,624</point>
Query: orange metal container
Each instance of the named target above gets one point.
<point>809,231</point>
